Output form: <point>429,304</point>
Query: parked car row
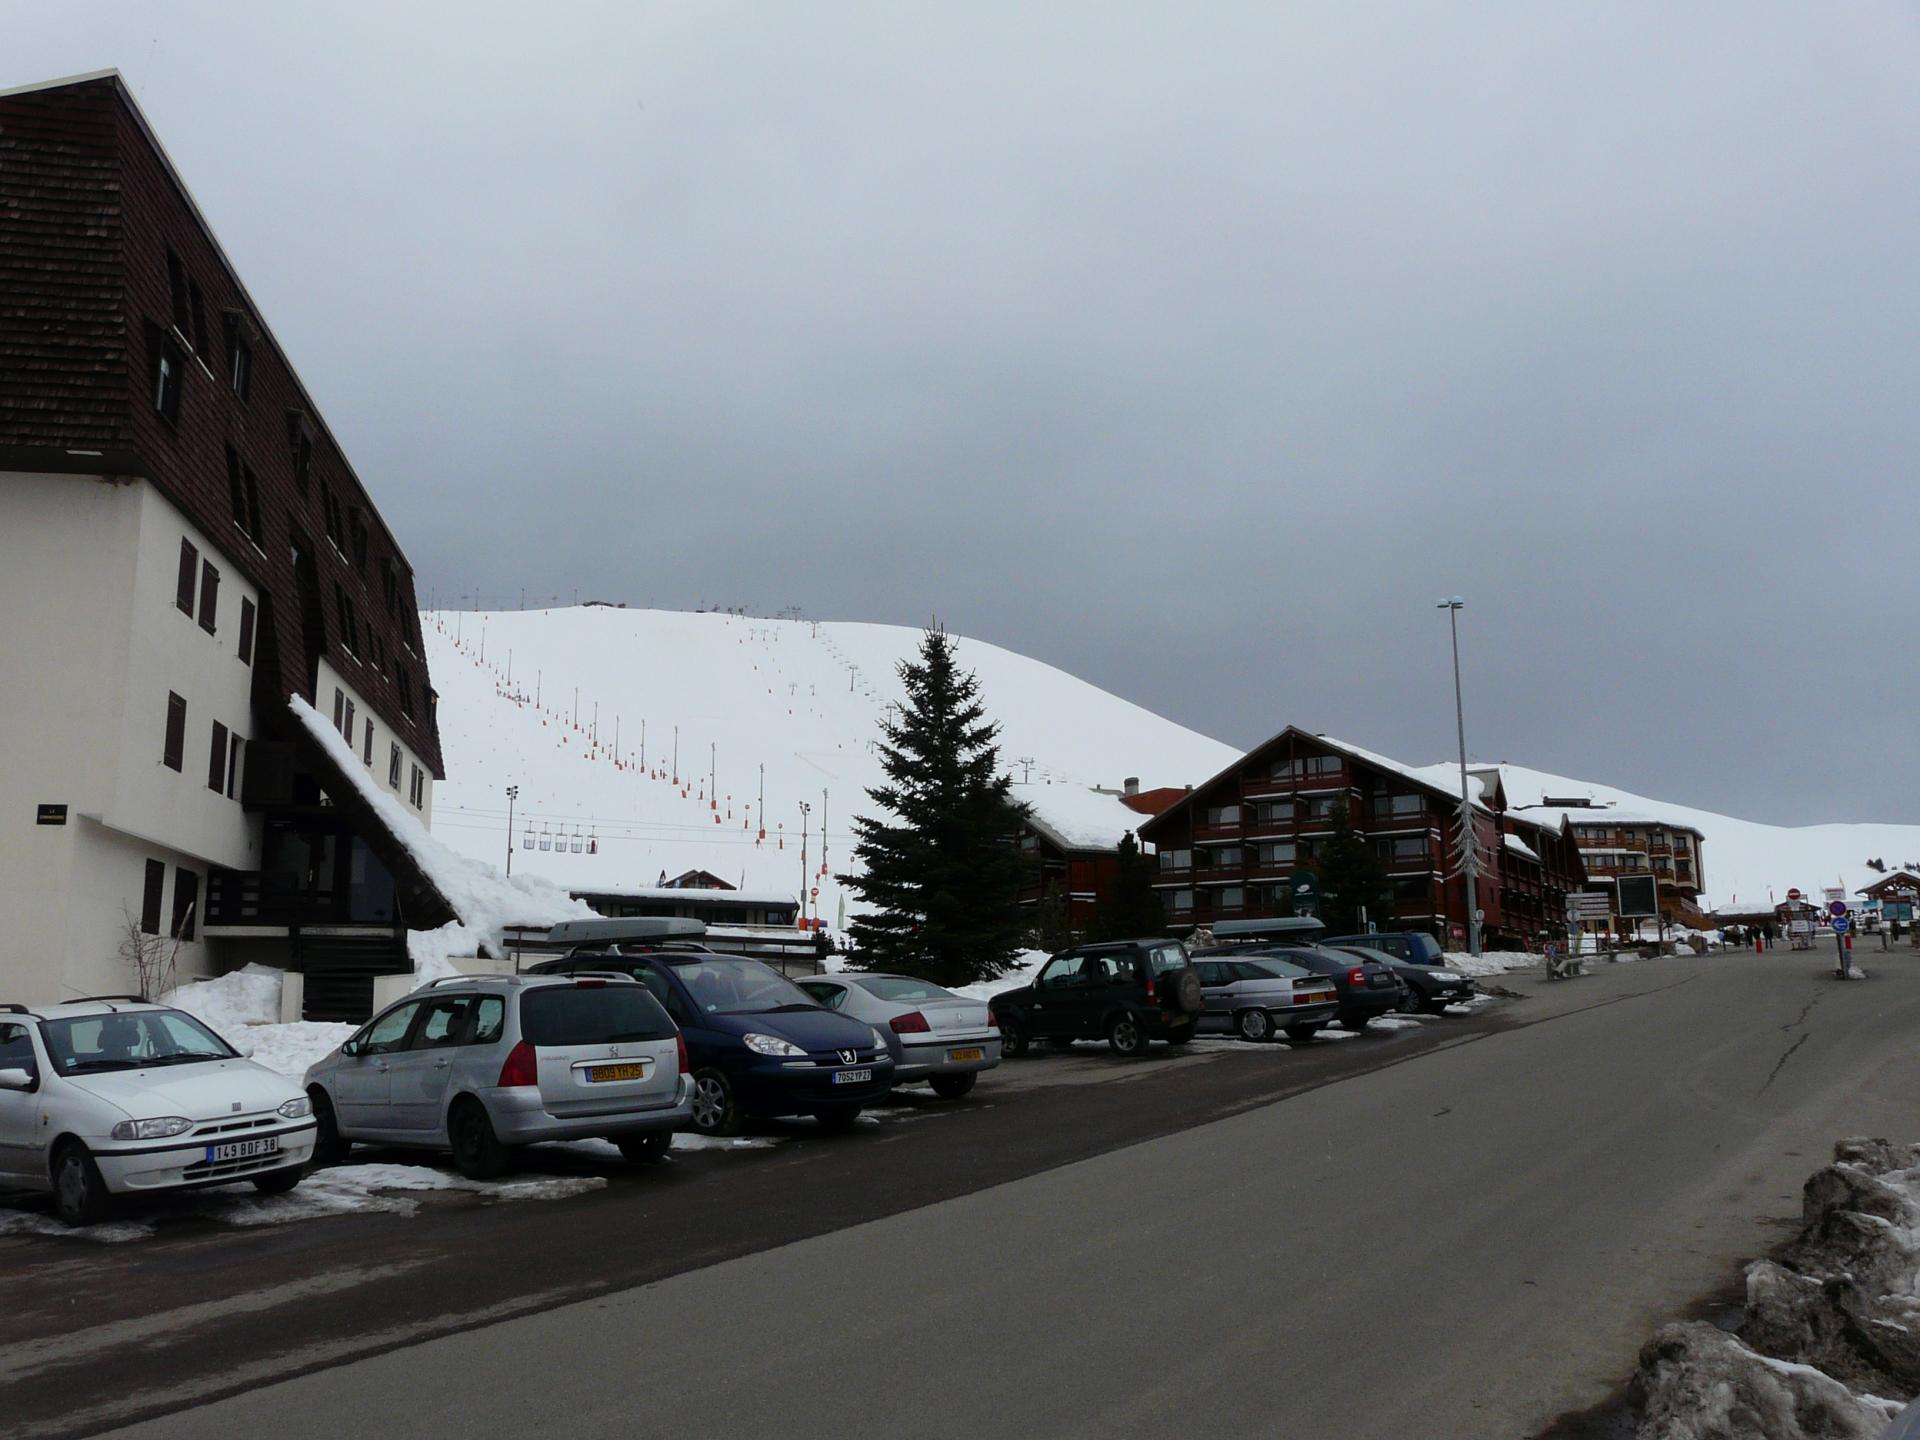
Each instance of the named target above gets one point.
<point>627,1042</point>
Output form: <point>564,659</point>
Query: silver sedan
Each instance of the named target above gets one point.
<point>934,1034</point>
<point>1255,997</point>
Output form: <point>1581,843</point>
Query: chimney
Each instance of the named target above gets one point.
<point>1131,785</point>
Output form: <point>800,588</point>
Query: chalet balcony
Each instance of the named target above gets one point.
<point>249,899</point>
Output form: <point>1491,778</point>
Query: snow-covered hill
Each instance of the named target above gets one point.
<point>541,698</point>
<point>1748,865</point>
<point>796,701</point>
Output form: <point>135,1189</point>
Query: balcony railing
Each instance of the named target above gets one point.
<point>247,897</point>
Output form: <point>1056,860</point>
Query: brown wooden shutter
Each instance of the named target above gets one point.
<point>246,631</point>
<point>150,897</point>
<point>217,759</point>
<point>189,571</point>
<point>209,595</point>
<point>176,745</point>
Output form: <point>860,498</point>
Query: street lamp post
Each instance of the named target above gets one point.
<point>804,808</point>
<point>513,793</point>
<point>1469,844</point>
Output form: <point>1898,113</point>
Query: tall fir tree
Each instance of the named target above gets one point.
<point>1131,908</point>
<point>940,868</point>
<point>1353,878</point>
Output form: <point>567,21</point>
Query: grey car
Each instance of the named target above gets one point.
<point>933,1034</point>
<point>478,1065</point>
<point>1257,997</point>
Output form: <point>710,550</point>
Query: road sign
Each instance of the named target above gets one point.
<point>1305,888</point>
<point>814,893</point>
<point>1834,892</point>
<point>1794,893</point>
<point>1841,924</point>
<point>1836,908</point>
<point>1588,905</point>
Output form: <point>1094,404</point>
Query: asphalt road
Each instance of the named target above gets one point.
<point>1459,1233</point>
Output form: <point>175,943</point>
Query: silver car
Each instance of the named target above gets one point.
<point>932,1034</point>
<point>1256,997</point>
<point>477,1065</point>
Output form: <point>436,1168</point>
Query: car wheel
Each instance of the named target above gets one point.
<point>837,1119</point>
<point>1013,1039</point>
<point>715,1111</point>
<point>329,1146</point>
<point>477,1151</point>
<point>79,1194</point>
<point>952,1087</point>
<point>279,1182</point>
<point>645,1149</point>
<point>1255,1025</point>
<point>1126,1036</point>
<point>1301,1034</point>
<point>1411,1003</point>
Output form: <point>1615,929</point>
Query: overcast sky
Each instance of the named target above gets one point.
<point>1198,349</point>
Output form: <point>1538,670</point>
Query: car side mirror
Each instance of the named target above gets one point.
<point>244,1048</point>
<point>349,1047</point>
<point>15,1079</point>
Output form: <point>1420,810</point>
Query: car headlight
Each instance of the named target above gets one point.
<point>298,1108</point>
<point>771,1045</point>
<point>878,1039</point>
<point>151,1129</point>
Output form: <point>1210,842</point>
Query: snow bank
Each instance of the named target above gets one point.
<point>290,1049</point>
<point>230,1003</point>
<point>1490,962</point>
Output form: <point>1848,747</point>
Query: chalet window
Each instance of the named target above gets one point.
<point>209,596</point>
<point>1182,900</point>
<point>236,488</point>
<point>173,756</point>
<point>246,631</point>
<point>404,684</point>
<point>330,506</point>
<point>358,527</point>
<point>197,317</point>
<point>367,754</point>
<point>1225,857</point>
<point>1176,859</point>
<point>1399,806</point>
<point>1275,854</point>
<point>339,705</point>
<point>177,292</point>
<point>349,620</point>
<point>240,368</point>
<point>346,728</point>
<point>300,440</point>
<point>1220,815</point>
<point>186,898</point>
<point>234,746</point>
<point>1320,809</point>
<point>1410,847</point>
<point>254,527</point>
<point>1307,766</point>
<point>390,584</point>
<point>217,759</point>
<point>189,571</point>
<point>417,787</point>
<point>393,767</point>
<point>156,881</point>
<point>1232,897</point>
<point>1269,812</point>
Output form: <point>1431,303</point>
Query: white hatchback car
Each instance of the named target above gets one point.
<point>106,1097</point>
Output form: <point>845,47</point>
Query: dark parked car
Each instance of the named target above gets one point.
<point>1130,991</point>
<point>757,1043</point>
<point>1416,947</point>
<point>1433,987</point>
<point>1256,995</point>
<point>1368,989</point>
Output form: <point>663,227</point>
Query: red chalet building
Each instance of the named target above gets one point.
<point>1227,849</point>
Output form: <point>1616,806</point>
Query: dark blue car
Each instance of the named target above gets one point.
<point>758,1044</point>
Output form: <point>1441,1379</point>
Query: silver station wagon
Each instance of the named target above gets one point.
<point>478,1065</point>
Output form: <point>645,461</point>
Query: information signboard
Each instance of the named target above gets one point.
<point>1639,897</point>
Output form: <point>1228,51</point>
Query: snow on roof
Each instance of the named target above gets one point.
<point>691,894</point>
<point>1443,777</point>
<point>483,898</point>
<point>1075,817</point>
<point>1519,846</point>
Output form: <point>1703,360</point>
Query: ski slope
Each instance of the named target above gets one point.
<point>580,707</point>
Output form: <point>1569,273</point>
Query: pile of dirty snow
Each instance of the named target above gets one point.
<point>1829,1345</point>
<point>1490,962</point>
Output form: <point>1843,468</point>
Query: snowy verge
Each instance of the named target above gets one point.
<point>1831,1328</point>
<point>1490,962</point>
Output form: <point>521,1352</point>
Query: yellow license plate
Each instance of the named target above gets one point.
<point>599,1074</point>
<point>972,1053</point>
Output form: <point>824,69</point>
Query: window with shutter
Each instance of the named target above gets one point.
<point>346,729</point>
<point>217,759</point>
<point>234,746</point>
<point>173,755</point>
<point>246,631</point>
<point>150,897</point>
<point>189,572</point>
<point>367,755</point>
<point>209,596</point>
<point>393,766</point>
